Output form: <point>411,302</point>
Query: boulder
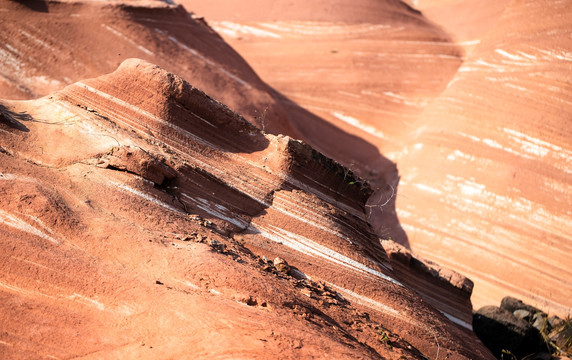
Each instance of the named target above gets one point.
<point>512,304</point>
<point>500,330</point>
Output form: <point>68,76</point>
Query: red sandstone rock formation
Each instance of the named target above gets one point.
<point>483,150</point>
<point>195,52</point>
<point>476,166</point>
<point>137,213</point>
<point>491,163</point>
<point>45,46</point>
<point>367,67</point>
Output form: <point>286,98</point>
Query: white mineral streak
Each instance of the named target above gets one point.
<point>311,248</point>
<point>14,222</point>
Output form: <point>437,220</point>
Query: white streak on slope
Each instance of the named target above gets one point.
<point>508,55</point>
<point>145,196</point>
<point>209,208</point>
<point>429,189</point>
<point>235,30</point>
<point>367,301</point>
<point>206,60</point>
<point>458,321</point>
<point>13,221</point>
<point>150,116</point>
<point>309,247</point>
<point>87,301</point>
<point>36,40</point>
<point>117,33</point>
<point>358,124</point>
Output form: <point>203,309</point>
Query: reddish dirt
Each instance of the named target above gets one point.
<point>150,238</point>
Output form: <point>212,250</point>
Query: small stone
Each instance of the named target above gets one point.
<point>297,274</point>
<point>554,321</point>
<point>217,245</point>
<point>539,321</point>
<point>297,344</point>
<point>332,301</point>
<point>281,265</point>
<point>522,314</point>
<point>306,292</point>
<point>189,237</point>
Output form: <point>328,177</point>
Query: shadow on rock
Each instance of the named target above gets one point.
<point>11,118</point>
<point>360,156</point>
<point>516,330</point>
<point>36,5</point>
<point>382,216</point>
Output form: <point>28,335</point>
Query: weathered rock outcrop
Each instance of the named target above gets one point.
<point>46,45</point>
<point>501,331</point>
<point>147,165</point>
<point>138,213</point>
<point>477,122</point>
<point>446,290</point>
<point>367,68</point>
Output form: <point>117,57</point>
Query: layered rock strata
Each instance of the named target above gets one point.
<point>473,108</point>
<point>139,212</point>
<point>46,45</point>
<point>493,158</point>
<point>365,69</point>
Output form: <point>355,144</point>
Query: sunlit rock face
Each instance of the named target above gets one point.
<point>490,163</point>
<point>365,67</point>
<point>138,217</point>
<point>470,99</point>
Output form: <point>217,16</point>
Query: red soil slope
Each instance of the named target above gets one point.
<point>136,215</point>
